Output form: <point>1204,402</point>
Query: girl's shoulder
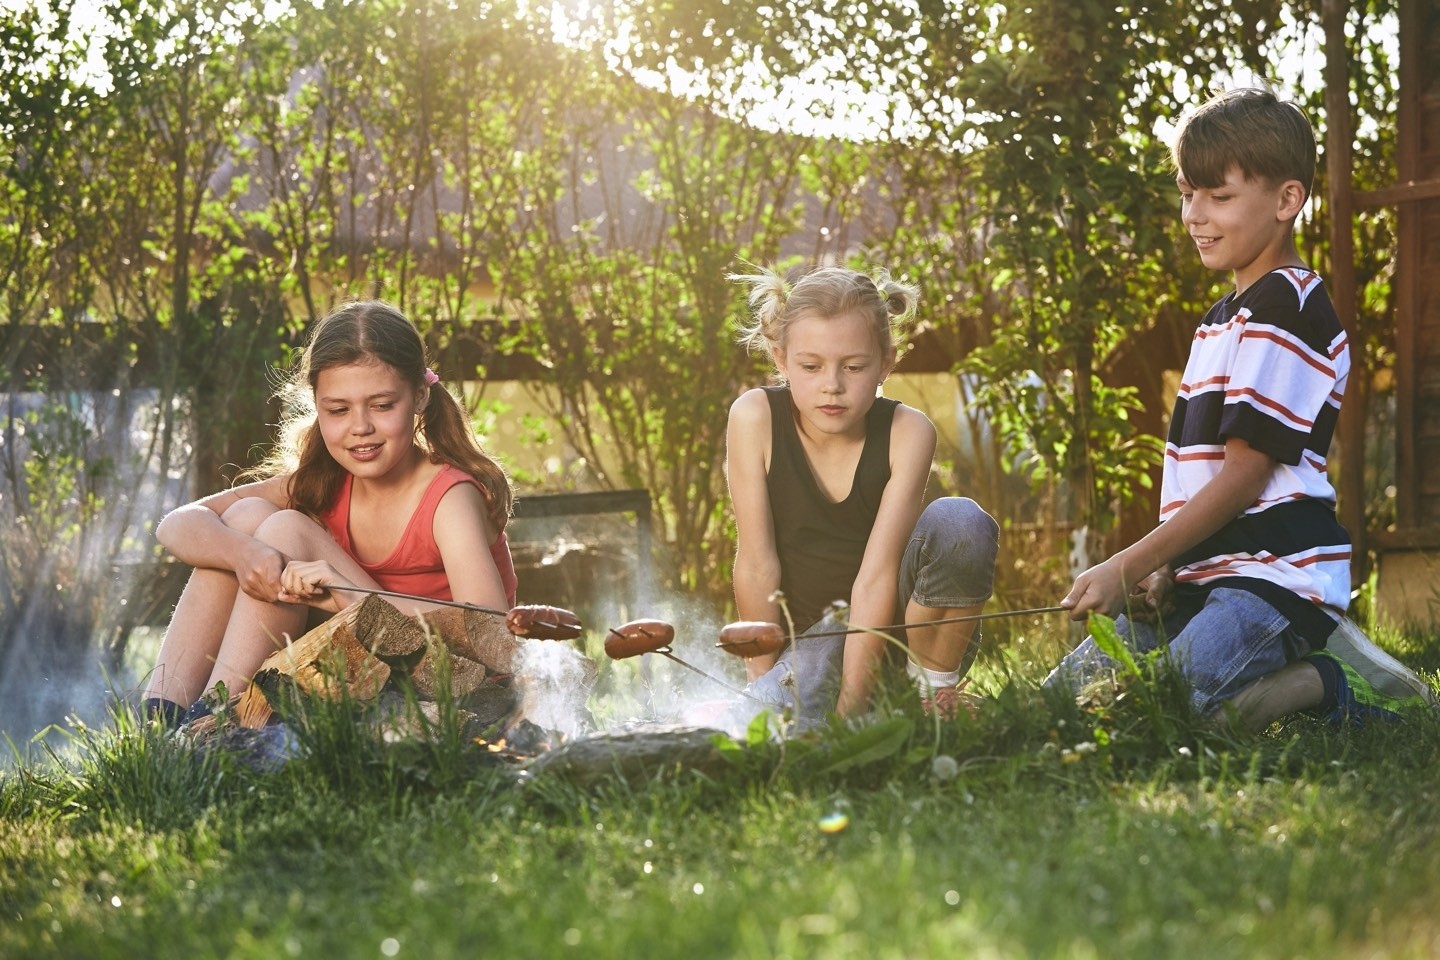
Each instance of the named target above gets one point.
<point>751,408</point>
<point>911,430</point>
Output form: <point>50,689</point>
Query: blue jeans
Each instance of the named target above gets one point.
<point>1233,640</point>
<point>949,562</point>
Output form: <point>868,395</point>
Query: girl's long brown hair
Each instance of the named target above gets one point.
<point>373,331</point>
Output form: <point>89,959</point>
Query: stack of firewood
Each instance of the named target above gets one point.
<point>357,651</point>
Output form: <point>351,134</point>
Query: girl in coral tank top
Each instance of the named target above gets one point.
<point>378,482</point>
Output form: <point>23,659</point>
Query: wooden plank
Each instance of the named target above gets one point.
<point>1416,538</point>
<point>1407,192</point>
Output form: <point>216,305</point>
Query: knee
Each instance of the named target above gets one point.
<point>961,520</point>
<point>287,529</point>
<point>247,514</point>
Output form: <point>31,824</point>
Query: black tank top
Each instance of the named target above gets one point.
<point>821,543</point>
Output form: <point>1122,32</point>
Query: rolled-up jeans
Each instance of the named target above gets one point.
<point>1234,639</point>
<point>949,562</point>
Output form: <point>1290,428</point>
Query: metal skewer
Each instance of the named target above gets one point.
<point>419,599</point>
<point>664,651</point>
<point>933,623</point>
<point>447,603</point>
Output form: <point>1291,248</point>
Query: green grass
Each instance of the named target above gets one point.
<point>1117,828</point>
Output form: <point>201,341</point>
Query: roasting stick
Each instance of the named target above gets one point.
<point>558,631</point>
<point>654,636</point>
<point>933,623</point>
<point>411,596</point>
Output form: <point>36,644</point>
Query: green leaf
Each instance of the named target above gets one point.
<point>867,745</point>
<point>1107,638</point>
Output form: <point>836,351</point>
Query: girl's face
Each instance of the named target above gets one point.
<point>834,366</point>
<point>366,413</point>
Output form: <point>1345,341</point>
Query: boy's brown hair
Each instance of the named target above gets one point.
<point>1266,137</point>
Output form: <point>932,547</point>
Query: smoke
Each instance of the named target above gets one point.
<point>654,689</point>
<point>553,679</point>
<point>595,565</point>
<point>85,478</point>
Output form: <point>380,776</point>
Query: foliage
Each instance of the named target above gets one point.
<point>575,203</point>
<point>634,305</point>
<point>1032,193</point>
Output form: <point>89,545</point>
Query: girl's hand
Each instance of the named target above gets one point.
<point>259,569</point>
<point>308,582</point>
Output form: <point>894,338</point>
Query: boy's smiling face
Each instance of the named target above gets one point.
<point>1243,225</point>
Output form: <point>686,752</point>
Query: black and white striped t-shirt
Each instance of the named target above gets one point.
<point>1267,366</point>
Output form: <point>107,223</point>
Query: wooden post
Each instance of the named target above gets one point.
<point>1408,348</point>
<point>1338,174</point>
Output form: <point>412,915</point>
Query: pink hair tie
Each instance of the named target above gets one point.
<point>431,377</point>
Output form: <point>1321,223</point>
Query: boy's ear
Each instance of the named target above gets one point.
<point>1292,196</point>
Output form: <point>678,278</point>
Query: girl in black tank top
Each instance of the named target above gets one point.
<point>827,480</point>
<point>820,542</point>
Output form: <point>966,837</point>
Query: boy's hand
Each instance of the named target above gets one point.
<point>1151,599</point>
<point>1101,589</point>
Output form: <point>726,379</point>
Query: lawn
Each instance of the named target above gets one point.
<point>1118,827</point>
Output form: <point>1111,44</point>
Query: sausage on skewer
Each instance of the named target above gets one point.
<point>540,622</point>
<point>751,638</point>
<point>637,637</point>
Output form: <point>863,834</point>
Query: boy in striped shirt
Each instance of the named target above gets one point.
<point>1248,573</point>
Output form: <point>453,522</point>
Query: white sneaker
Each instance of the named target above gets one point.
<point>1382,671</point>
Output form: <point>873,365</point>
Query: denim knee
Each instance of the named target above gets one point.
<point>950,559</point>
<point>806,676</point>
<point>1087,661</point>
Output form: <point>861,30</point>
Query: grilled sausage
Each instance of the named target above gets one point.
<point>637,637</point>
<point>751,638</point>
<point>540,622</point>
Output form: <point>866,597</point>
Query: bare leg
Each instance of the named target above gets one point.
<point>192,639</point>
<point>1294,687</point>
<point>940,652</point>
<point>256,628</point>
<point>940,648</point>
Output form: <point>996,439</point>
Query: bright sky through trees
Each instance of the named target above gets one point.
<point>821,100</point>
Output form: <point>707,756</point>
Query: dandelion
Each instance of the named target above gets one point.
<point>944,768</point>
<point>834,822</point>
